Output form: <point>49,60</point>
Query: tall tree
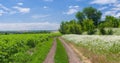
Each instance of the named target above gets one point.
<point>62,27</point>
<point>92,13</point>
<point>80,16</point>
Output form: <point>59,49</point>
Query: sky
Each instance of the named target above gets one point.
<point>48,14</point>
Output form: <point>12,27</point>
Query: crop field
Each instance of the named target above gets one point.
<point>24,48</point>
<point>98,48</point>
<point>34,48</point>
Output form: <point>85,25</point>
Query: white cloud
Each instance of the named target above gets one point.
<point>117,4</point>
<point>29,26</point>
<point>72,10</point>
<point>2,12</point>
<point>75,7</point>
<point>118,15</point>
<point>116,9</point>
<point>20,3</point>
<point>40,16</point>
<point>103,1</point>
<point>4,8</point>
<point>113,7</point>
<point>13,12</point>
<point>45,7</point>
<point>22,10</point>
<point>103,8</point>
<point>112,13</point>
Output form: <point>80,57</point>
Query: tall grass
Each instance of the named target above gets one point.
<point>99,47</point>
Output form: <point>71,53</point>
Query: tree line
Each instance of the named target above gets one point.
<point>89,20</point>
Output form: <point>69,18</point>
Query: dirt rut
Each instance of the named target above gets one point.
<point>51,54</point>
<point>73,58</point>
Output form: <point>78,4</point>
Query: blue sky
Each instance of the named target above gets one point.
<point>47,14</point>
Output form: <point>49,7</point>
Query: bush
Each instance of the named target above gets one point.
<point>90,32</point>
<point>71,27</point>
<point>31,43</point>
<point>20,58</point>
<point>102,31</point>
<point>110,32</point>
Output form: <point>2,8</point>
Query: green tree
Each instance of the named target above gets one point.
<point>92,13</point>
<point>80,16</point>
<point>102,30</point>
<point>88,25</point>
<point>71,27</point>
<point>111,21</point>
<point>62,27</point>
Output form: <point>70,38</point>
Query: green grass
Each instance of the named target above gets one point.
<point>61,55</point>
<point>41,52</point>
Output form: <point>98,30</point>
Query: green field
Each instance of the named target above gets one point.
<point>24,48</point>
<point>33,48</point>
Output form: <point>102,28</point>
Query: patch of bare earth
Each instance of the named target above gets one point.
<point>84,59</point>
<point>51,54</point>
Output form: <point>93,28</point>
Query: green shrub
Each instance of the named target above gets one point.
<point>102,31</point>
<point>20,58</point>
<point>90,32</point>
<point>88,25</point>
<point>110,32</point>
<point>31,43</point>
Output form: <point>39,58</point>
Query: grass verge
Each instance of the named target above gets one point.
<point>41,52</point>
<point>95,58</point>
<point>61,54</point>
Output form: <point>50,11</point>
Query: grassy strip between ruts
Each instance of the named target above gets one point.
<point>61,54</point>
<point>41,52</point>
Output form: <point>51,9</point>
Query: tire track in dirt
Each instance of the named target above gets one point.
<point>51,54</point>
<point>73,58</point>
<point>84,59</point>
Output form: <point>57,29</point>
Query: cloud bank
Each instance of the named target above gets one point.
<point>28,26</point>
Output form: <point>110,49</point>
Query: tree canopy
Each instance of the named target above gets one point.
<point>89,13</point>
<point>88,21</point>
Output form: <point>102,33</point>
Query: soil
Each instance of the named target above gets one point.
<point>73,57</point>
<point>51,54</point>
<point>84,59</point>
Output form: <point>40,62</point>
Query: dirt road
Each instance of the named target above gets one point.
<point>50,56</point>
<point>73,58</point>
